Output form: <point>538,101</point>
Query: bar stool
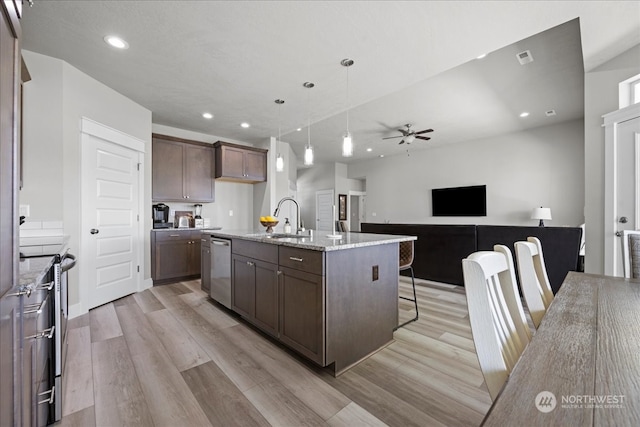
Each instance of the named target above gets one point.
<point>406,259</point>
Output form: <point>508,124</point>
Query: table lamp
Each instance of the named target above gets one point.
<point>541,214</point>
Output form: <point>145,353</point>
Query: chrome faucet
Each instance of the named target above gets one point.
<point>300,227</point>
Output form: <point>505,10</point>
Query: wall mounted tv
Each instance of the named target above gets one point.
<point>459,201</point>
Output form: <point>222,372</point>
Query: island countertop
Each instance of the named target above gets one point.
<point>317,242</point>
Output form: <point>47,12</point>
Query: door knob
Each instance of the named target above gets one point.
<point>94,231</point>
<point>623,219</point>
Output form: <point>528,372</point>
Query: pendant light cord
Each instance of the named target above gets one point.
<point>347,99</point>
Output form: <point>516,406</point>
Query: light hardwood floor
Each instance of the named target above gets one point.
<point>169,356</point>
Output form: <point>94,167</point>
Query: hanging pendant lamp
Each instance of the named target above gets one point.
<point>308,150</point>
<point>347,142</point>
<point>279,159</point>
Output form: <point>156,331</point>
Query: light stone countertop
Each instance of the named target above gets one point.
<point>33,270</point>
<point>174,229</point>
<point>318,242</point>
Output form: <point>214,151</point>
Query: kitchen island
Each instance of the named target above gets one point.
<point>334,301</point>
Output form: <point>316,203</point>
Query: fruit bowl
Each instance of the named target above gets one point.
<point>269,225</point>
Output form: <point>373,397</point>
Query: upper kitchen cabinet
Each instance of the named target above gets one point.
<point>240,163</point>
<point>182,170</point>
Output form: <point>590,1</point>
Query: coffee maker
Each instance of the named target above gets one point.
<point>161,216</point>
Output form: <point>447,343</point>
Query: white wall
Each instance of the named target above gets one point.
<point>540,167</point>
<point>42,139</point>
<point>67,94</point>
<point>601,97</point>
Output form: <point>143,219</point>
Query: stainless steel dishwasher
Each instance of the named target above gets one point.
<point>221,271</point>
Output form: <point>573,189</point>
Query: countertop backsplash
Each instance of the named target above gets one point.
<point>32,229</point>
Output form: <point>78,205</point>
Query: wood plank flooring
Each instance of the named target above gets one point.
<point>169,356</point>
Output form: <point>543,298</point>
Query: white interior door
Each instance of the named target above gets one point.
<point>110,240</point>
<point>622,183</point>
<point>324,210</point>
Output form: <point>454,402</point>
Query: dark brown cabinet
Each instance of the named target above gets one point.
<point>182,170</point>
<point>255,284</point>
<point>205,264</point>
<point>281,291</point>
<point>240,163</point>
<point>302,312</point>
<point>175,255</point>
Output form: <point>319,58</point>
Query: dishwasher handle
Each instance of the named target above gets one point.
<point>220,242</point>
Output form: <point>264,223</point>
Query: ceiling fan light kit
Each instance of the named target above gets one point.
<point>347,141</point>
<point>409,135</point>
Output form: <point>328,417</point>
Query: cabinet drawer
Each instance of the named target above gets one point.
<point>256,250</point>
<point>167,236</point>
<point>302,259</point>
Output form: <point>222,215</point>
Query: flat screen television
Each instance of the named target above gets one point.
<point>459,201</point>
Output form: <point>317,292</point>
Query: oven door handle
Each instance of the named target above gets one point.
<point>68,265</point>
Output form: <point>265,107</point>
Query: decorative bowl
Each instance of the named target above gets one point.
<point>269,225</point>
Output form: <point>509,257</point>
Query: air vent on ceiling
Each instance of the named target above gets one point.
<point>550,113</point>
<point>524,57</point>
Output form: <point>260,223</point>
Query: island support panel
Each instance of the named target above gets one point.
<point>361,311</point>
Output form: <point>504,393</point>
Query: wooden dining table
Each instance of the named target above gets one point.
<point>582,367</point>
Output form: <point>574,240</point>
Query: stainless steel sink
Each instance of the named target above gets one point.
<point>286,236</point>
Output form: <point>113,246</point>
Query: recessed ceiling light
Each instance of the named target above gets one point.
<point>524,114</point>
<point>298,130</point>
<point>381,155</point>
<point>550,113</point>
<point>244,125</point>
<point>207,115</point>
<point>481,56</point>
<point>116,42</point>
<point>369,149</point>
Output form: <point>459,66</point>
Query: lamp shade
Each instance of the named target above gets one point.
<point>541,213</point>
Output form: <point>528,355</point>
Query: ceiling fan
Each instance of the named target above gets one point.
<point>409,135</point>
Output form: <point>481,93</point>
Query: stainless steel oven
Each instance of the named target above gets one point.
<point>63,263</point>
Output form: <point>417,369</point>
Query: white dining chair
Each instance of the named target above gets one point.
<point>533,278</point>
<point>631,253</point>
<point>499,328</point>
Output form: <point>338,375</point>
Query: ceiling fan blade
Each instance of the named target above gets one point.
<point>426,138</point>
<point>424,131</point>
<point>389,137</point>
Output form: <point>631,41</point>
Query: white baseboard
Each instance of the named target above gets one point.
<point>76,310</point>
<point>146,284</point>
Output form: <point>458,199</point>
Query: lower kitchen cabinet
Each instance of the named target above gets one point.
<point>255,291</point>
<point>302,312</point>
<point>205,265</point>
<point>282,294</point>
<point>175,255</point>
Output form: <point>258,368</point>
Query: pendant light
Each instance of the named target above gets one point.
<point>308,150</point>
<point>347,142</point>
<point>279,159</point>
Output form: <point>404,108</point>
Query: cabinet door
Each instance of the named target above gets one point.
<point>194,254</point>
<point>198,173</point>
<point>255,166</point>
<point>302,313</point>
<point>232,162</point>
<point>172,259</point>
<point>167,171</point>
<point>266,312</point>
<point>10,372</point>
<point>205,266</point>
<point>243,286</point>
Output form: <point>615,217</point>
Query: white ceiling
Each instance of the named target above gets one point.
<point>414,63</point>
